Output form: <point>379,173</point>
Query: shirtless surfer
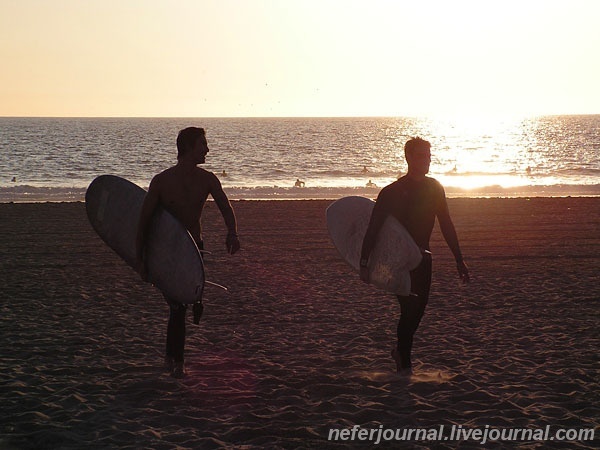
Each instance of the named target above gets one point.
<point>182,190</point>
<point>415,200</point>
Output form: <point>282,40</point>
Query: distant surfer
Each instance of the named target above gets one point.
<point>370,184</point>
<point>299,184</point>
<point>183,190</point>
<point>365,170</point>
<point>415,200</point>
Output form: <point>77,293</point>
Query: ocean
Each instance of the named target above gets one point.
<point>55,159</point>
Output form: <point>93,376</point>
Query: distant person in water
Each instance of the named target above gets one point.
<point>299,183</point>
<point>415,200</point>
<point>370,184</point>
<point>182,190</point>
<point>365,170</point>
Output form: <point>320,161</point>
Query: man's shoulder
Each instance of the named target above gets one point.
<point>398,185</point>
<point>404,185</point>
<point>205,173</point>
<point>172,173</point>
<point>393,191</point>
<point>167,173</point>
<point>161,179</point>
<point>433,182</point>
<point>207,177</point>
<point>428,182</point>
<point>436,186</point>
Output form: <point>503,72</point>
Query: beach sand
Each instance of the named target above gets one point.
<point>300,345</point>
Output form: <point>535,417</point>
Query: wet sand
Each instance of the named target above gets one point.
<point>299,345</point>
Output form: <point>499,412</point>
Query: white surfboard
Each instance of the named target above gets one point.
<point>175,265</point>
<point>395,253</point>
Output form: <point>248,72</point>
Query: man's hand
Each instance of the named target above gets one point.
<point>233,243</point>
<point>463,272</point>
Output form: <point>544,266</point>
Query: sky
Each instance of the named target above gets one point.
<point>294,58</point>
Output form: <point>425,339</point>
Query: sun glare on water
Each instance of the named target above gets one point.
<point>471,152</point>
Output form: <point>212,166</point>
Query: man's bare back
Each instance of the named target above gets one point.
<point>183,192</point>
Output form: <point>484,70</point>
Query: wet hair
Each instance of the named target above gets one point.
<point>414,144</point>
<point>187,138</point>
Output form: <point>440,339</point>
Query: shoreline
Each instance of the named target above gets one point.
<point>318,194</point>
<point>41,194</point>
<point>323,199</point>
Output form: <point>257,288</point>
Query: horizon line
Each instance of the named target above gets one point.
<point>419,116</point>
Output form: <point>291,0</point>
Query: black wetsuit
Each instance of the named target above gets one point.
<point>415,204</point>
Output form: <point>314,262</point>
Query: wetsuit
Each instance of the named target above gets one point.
<point>416,204</point>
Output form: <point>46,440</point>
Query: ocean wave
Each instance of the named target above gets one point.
<point>331,193</point>
<point>39,194</point>
<point>580,171</point>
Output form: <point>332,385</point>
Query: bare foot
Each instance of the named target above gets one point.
<point>401,370</point>
<point>178,370</point>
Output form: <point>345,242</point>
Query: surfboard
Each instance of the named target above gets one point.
<point>175,265</point>
<point>395,253</point>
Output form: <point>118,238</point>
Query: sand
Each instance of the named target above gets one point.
<point>300,345</point>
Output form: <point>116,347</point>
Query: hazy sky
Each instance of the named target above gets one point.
<point>219,58</point>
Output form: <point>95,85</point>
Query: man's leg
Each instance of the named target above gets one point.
<point>412,309</point>
<point>176,334</point>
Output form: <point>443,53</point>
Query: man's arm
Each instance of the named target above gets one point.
<point>232,242</point>
<point>150,203</point>
<point>449,233</point>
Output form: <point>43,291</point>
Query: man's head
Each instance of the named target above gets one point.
<point>188,139</point>
<point>418,156</point>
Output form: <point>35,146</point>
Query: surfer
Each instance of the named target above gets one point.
<point>299,183</point>
<point>415,200</point>
<point>183,190</point>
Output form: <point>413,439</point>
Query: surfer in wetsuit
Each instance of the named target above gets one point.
<point>182,190</point>
<point>415,200</point>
